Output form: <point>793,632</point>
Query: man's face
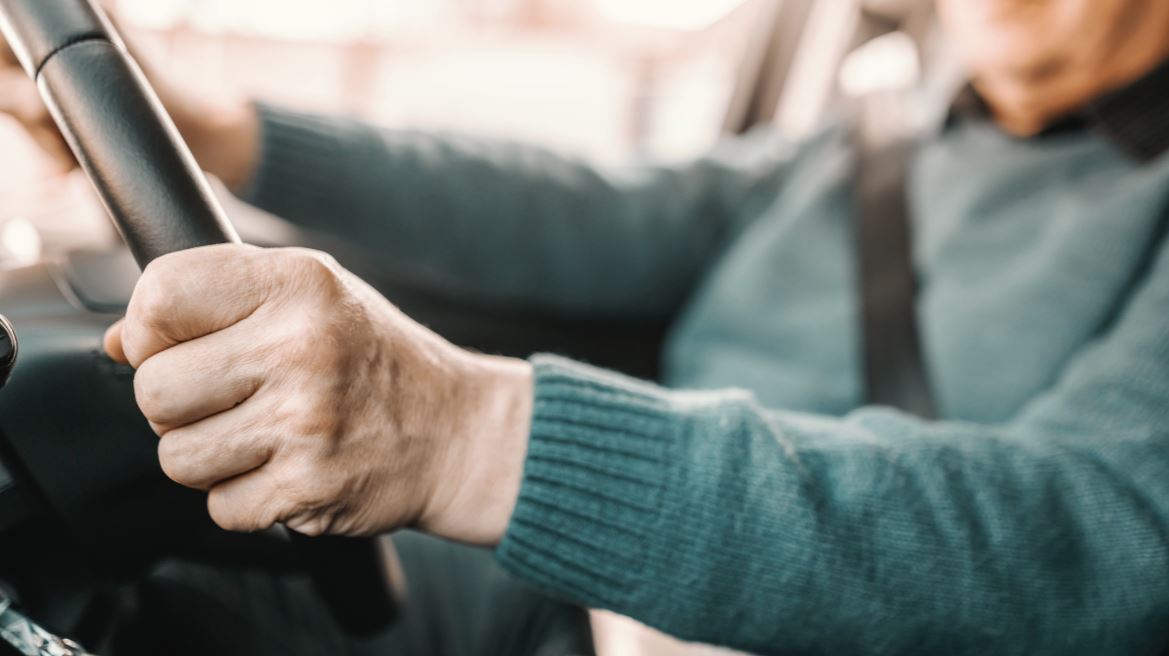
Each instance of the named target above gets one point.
<point>1036,38</point>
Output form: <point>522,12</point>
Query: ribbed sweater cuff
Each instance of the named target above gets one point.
<point>299,153</point>
<point>593,484</point>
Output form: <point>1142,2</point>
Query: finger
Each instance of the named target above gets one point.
<point>200,378</point>
<point>246,503</point>
<point>19,97</point>
<point>192,293</point>
<point>219,448</point>
<point>112,343</point>
<point>20,100</point>
<point>7,57</point>
<point>11,95</point>
<point>53,144</point>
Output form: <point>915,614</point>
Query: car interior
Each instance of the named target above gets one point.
<point>84,507</point>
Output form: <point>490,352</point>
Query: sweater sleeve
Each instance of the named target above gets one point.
<point>508,222</point>
<point>719,521</point>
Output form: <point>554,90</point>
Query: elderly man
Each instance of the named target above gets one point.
<point>773,512</point>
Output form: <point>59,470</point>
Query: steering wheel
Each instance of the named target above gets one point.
<point>160,203</point>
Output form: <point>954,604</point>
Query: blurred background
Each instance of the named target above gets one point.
<point>599,76</point>
<point>608,79</point>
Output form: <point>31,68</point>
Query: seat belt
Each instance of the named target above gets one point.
<point>895,371</point>
<point>895,374</point>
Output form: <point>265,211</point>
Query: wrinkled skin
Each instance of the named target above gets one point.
<point>294,393</point>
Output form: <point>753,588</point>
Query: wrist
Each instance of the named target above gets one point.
<point>479,479</point>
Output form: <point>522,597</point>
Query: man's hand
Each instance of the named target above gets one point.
<point>294,393</point>
<point>19,99</point>
<point>221,129</point>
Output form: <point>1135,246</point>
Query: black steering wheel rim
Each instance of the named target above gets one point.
<point>160,202</point>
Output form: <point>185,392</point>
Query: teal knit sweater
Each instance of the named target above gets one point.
<point>764,508</point>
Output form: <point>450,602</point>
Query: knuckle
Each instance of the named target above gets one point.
<point>152,401</point>
<point>317,418</point>
<point>319,262</point>
<point>151,300</point>
<point>223,514</point>
<point>174,460</point>
<point>146,317</point>
<point>230,515</point>
<point>179,462</point>
<point>309,341</point>
<point>317,270</point>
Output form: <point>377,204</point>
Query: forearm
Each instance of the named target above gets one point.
<point>714,520</point>
<point>508,222</point>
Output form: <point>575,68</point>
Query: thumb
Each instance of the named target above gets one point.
<point>112,343</point>
<point>189,294</point>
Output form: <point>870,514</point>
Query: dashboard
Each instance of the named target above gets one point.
<point>59,309</point>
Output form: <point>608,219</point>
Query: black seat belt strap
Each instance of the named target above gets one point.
<point>895,371</point>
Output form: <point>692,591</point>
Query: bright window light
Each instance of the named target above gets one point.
<point>289,19</point>
<point>681,15</point>
<point>21,240</point>
<point>887,63</point>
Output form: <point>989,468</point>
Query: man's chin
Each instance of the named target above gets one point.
<point>1021,61</point>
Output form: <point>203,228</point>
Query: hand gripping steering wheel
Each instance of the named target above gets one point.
<point>160,202</point>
